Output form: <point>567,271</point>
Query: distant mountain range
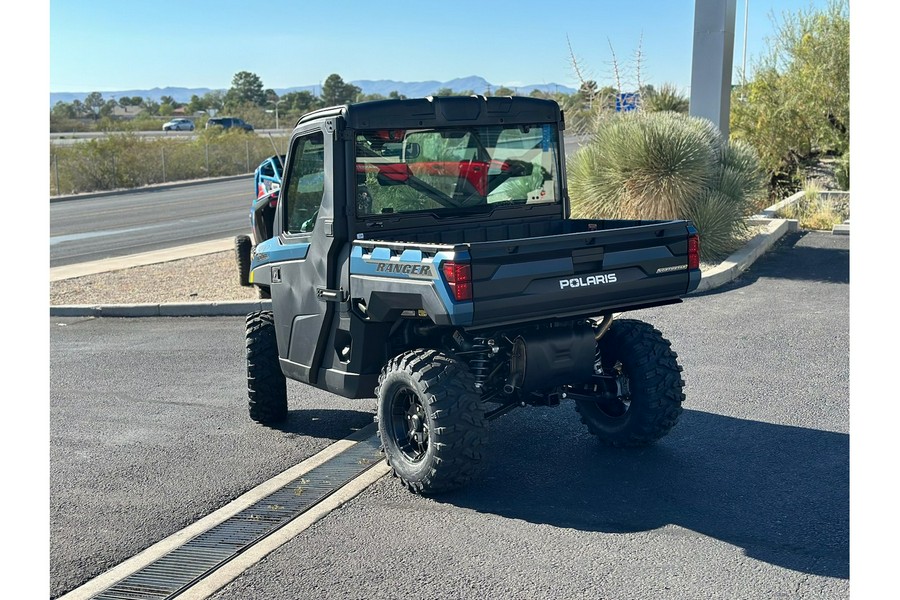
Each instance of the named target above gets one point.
<point>410,89</point>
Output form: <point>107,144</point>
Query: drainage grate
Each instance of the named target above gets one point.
<point>184,566</point>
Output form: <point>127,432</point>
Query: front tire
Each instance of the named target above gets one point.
<point>640,399</point>
<point>431,421</point>
<point>266,384</point>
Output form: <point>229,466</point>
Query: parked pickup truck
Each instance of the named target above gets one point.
<point>423,254</point>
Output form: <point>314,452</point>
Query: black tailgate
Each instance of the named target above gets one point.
<point>586,273</point>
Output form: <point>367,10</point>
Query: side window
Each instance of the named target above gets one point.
<point>303,193</point>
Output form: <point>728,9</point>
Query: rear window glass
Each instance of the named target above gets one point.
<point>453,169</point>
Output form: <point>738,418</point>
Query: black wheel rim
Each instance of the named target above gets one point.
<point>409,424</point>
<point>612,391</point>
<point>618,406</point>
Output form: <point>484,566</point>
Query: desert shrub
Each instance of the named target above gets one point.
<point>814,210</point>
<point>128,160</point>
<point>842,172</point>
<point>112,162</point>
<point>667,165</point>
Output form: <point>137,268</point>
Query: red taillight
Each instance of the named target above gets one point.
<point>459,278</point>
<point>694,252</point>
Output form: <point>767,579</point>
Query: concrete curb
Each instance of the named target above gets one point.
<point>770,213</point>
<point>724,273</point>
<point>237,308</point>
<point>738,262</point>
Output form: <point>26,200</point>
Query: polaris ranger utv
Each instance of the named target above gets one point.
<point>423,254</point>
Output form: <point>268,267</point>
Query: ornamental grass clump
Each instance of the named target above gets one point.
<point>668,166</point>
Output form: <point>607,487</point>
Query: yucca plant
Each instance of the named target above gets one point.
<point>642,166</point>
<point>667,165</point>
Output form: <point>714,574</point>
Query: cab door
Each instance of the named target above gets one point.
<point>303,283</point>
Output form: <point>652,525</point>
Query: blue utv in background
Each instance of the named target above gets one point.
<point>267,182</point>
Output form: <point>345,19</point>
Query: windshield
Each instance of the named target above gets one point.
<point>455,169</point>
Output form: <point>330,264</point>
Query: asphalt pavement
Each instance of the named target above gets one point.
<point>748,497</point>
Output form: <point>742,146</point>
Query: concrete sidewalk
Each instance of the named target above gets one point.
<point>725,272</point>
<point>139,260</point>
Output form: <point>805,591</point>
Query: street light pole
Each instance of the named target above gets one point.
<point>744,57</point>
<point>276,103</point>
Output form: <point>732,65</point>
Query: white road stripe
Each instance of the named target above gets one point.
<point>255,553</point>
<point>179,538</point>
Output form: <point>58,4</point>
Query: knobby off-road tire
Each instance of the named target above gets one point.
<point>649,368</point>
<point>431,421</point>
<point>242,246</point>
<point>266,385</point>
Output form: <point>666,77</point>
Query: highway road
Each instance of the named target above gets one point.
<point>89,229</point>
<point>747,498</point>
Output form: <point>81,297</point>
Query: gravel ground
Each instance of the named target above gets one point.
<point>208,278</point>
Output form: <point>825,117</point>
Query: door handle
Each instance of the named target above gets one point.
<point>326,295</point>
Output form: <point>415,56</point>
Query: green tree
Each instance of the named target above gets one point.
<point>63,110</point>
<point>79,108</point>
<point>271,96</point>
<point>335,91</point>
<point>214,100</point>
<point>246,88</point>
<point>167,106</point>
<point>797,102</point>
<point>170,100</point>
<point>195,105</point>
<point>396,95</point>
<point>93,103</point>
<point>300,102</point>
<point>504,91</point>
<point>151,106</point>
<point>108,108</point>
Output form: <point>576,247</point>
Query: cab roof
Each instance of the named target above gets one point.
<point>438,111</point>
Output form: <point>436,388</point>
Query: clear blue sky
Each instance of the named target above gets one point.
<point>105,45</point>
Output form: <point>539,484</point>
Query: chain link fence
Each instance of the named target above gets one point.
<point>123,161</point>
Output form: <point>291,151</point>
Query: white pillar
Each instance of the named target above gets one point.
<point>712,63</point>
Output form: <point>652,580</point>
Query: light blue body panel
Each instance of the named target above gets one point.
<point>405,273</point>
<point>272,252</point>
